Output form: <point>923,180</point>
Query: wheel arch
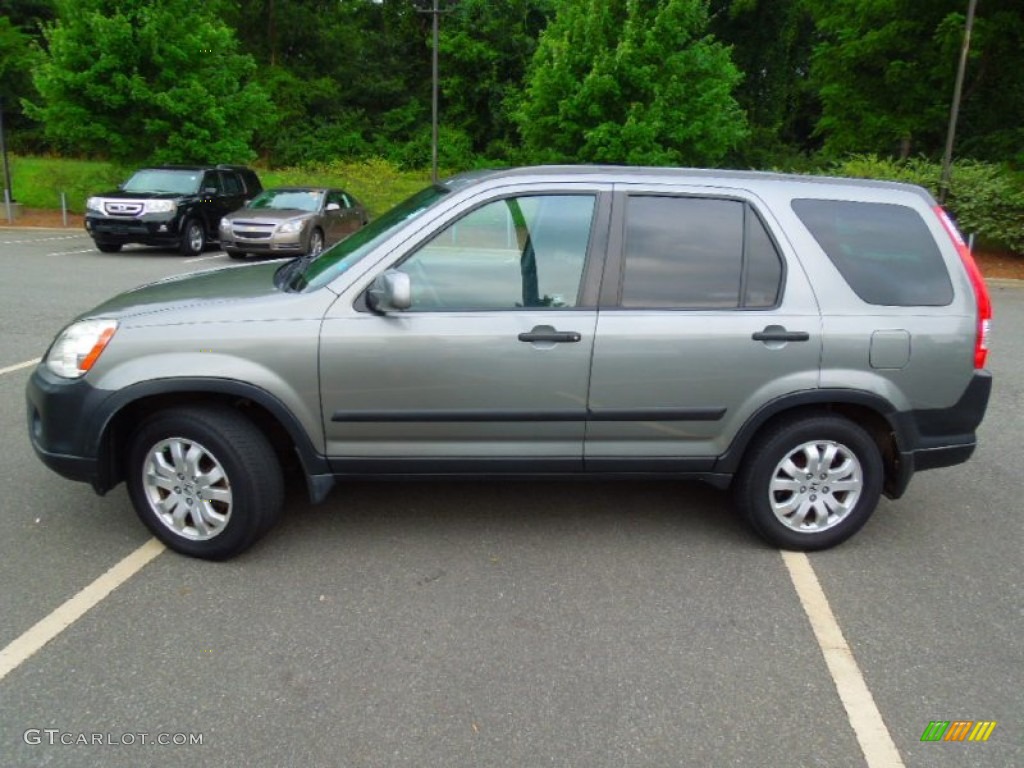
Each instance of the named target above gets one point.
<point>124,411</point>
<point>871,412</point>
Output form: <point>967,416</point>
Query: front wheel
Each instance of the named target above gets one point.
<point>316,243</point>
<point>204,480</point>
<point>810,484</point>
<point>193,238</point>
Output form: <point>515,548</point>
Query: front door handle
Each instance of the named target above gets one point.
<point>778,333</point>
<point>547,333</point>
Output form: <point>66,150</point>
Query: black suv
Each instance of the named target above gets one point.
<point>172,205</point>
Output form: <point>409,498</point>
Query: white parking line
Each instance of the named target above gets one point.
<point>865,719</point>
<point>203,258</point>
<point>66,253</point>
<point>73,609</point>
<point>18,366</point>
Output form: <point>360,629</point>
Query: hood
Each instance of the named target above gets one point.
<point>267,214</point>
<point>211,288</point>
<point>120,194</point>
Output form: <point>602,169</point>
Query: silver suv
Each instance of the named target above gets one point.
<point>809,342</point>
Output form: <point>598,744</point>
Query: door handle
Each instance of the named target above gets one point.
<point>778,333</point>
<point>546,333</point>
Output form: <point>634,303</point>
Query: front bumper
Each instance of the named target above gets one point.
<point>148,229</point>
<point>56,413</point>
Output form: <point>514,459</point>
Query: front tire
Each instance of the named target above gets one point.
<point>193,238</point>
<point>810,484</point>
<point>316,244</point>
<point>204,480</point>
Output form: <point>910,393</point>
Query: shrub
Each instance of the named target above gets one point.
<point>987,199</point>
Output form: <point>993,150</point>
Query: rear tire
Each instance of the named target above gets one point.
<point>205,480</point>
<point>810,484</point>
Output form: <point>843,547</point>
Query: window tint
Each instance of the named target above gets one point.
<point>232,186</point>
<point>884,252</point>
<point>212,180</point>
<point>695,253</point>
<point>517,252</point>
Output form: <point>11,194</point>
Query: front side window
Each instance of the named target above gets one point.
<point>884,252</point>
<point>232,185</point>
<point>697,253</point>
<point>512,253</point>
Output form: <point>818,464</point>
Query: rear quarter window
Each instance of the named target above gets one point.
<point>885,252</point>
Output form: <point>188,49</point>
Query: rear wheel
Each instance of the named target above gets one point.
<point>810,484</point>
<point>193,238</point>
<point>108,246</point>
<point>204,480</point>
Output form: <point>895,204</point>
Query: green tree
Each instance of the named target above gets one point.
<point>885,70</point>
<point>485,50</point>
<point>771,43</point>
<point>153,80</point>
<point>634,81</point>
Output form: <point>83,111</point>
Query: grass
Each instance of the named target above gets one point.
<point>37,182</point>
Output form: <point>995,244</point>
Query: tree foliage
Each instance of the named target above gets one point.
<point>157,80</point>
<point>884,71</point>
<point>631,82</point>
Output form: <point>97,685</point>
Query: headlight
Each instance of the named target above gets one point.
<point>161,206</point>
<point>225,225</point>
<point>295,225</point>
<point>79,346</point>
<point>94,204</point>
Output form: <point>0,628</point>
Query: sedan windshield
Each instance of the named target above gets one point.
<point>314,274</point>
<point>288,199</point>
<point>155,180</point>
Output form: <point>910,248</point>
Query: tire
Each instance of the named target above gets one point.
<point>193,238</point>
<point>316,243</point>
<point>810,484</point>
<point>233,254</point>
<point>209,459</point>
<point>108,247</point>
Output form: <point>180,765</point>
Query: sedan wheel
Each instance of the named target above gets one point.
<point>316,243</point>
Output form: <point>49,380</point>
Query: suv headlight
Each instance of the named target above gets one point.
<point>94,204</point>
<point>289,227</point>
<point>79,346</point>
<point>161,206</point>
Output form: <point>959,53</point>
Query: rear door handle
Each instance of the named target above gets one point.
<point>778,333</point>
<point>542,333</point>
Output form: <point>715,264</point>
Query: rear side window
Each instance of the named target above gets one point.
<point>697,253</point>
<point>885,252</point>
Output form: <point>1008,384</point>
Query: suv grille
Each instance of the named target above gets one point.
<point>123,209</point>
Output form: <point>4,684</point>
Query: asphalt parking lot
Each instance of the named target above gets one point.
<point>501,624</point>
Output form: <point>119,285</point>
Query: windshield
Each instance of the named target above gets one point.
<point>340,257</point>
<point>288,199</point>
<point>174,182</point>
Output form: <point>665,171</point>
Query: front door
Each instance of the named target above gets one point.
<point>489,367</point>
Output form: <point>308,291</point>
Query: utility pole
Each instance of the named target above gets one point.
<point>8,195</point>
<point>435,12</point>
<point>954,111</point>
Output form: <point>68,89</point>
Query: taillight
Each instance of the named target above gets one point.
<point>981,296</point>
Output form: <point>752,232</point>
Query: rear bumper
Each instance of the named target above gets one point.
<point>939,437</point>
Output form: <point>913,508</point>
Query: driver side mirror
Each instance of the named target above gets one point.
<point>333,207</point>
<point>391,291</point>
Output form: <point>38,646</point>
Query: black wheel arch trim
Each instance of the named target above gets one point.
<point>729,462</point>
<point>314,464</point>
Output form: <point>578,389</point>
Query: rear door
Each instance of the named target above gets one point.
<point>705,316</point>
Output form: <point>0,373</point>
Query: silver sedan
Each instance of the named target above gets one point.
<point>291,221</point>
